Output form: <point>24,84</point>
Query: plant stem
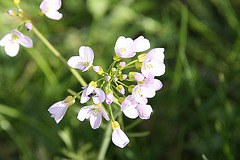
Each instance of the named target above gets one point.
<point>105,142</point>
<point>58,55</point>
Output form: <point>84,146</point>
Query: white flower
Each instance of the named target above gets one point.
<point>97,94</point>
<point>153,63</point>
<point>95,112</point>
<point>119,138</point>
<point>59,109</point>
<point>127,48</point>
<point>50,7</point>
<point>141,92</point>
<point>84,61</point>
<point>12,40</point>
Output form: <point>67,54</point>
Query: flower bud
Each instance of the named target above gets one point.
<point>98,69</point>
<point>114,69</point>
<point>107,78</point>
<point>28,25</point>
<point>16,1</point>
<point>124,76</point>
<point>11,12</point>
<point>20,10</point>
<point>122,64</point>
<point>120,100</point>
<point>121,89</point>
<point>138,65</point>
<point>115,79</point>
<point>69,100</point>
<point>130,88</point>
<point>138,76</point>
<point>109,98</point>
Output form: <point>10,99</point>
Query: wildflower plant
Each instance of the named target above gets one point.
<point>127,84</point>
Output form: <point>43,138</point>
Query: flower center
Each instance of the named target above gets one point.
<point>95,111</point>
<point>85,63</point>
<point>149,65</point>
<point>14,38</point>
<point>139,91</point>
<point>122,50</point>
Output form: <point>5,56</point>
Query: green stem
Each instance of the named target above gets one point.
<point>105,142</point>
<point>58,55</point>
<point>131,63</point>
<point>111,114</point>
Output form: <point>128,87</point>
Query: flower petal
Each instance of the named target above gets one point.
<point>26,41</point>
<point>75,62</point>
<point>142,44</point>
<point>84,97</point>
<point>58,110</point>
<point>100,97</point>
<point>11,48</point>
<point>144,111</point>
<point>5,39</point>
<point>84,113</point>
<point>53,14</point>
<point>119,138</point>
<point>95,120</point>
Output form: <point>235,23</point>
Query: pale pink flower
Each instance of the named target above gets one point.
<point>12,40</point>
<point>85,59</point>
<point>107,78</point>
<point>129,107</point>
<point>97,94</point>
<point>59,109</point>
<point>50,7</point>
<point>95,112</point>
<point>144,111</point>
<point>156,84</point>
<point>154,63</point>
<point>119,138</point>
<point>141,92</point>
<point>127,48</point>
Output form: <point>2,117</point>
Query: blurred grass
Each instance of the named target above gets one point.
<point>196,114</point>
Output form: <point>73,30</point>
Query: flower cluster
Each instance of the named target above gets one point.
<point>12,40</point>
<point>131,84</point>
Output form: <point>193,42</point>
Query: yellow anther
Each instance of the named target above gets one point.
<point>115,125</point>
<point>141,57</point>
<point>69,100</point>
<point>94,84</point>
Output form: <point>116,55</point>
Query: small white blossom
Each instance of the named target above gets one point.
<point>12,40</point>
<point>50,7</point>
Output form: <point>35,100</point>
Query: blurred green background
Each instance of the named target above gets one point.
<point>195,114</point>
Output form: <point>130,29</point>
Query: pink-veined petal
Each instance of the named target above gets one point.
<point>104,113</point>
<point>58,110</point>
<point>95,120</point>
<point>43,6</point>
<point>26,41</point>
<point>119,138</point>
<point>144,111</point>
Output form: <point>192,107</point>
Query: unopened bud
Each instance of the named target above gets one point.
<point>20,10</point>
<point>98,69</point>
<point>138,65</point>
<point>114,69</point>
<point>120,100</point>
<point>16,1</point>
<point>11,12</point>
<point>121,89</point>
<point>122,64</point>
<point>109,98</point>
<point>130,88</point>
<point>124,76</point>
<point>107,78</point>
<point>115,79</point>
<point>138,76</point>
<point>28,25</point>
